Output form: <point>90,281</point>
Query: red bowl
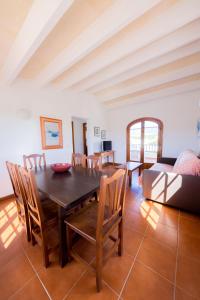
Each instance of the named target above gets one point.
<point>61,167</point>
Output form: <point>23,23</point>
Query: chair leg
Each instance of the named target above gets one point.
<point>28,234</point>
<point>45,255</point>
<point>18,210</point>
<point>32,238</point>
<point>45,251</point>
<point>69,241</point>
<point>27,224</point>
<point>99,258</point>
<point>120,236</point>
<point>96,196</point>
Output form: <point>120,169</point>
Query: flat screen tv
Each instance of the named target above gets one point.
<point>107,145</point>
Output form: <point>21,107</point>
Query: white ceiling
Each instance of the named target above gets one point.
<point>121,51</point>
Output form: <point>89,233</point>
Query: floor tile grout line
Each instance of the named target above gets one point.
<point>156,272</point>
<point>115,292</point>
<point>93,259</point>
<point>75,283</point>
<point>160,243</point>
<point>44,287</point>
<point>197,260</point>
<point>186,292</point>
<point>176,265</point>
<point>21,288</point>
<point>162,223</point>
<point>131,268</point>
<point>157,241</point>
<point>134,229</point>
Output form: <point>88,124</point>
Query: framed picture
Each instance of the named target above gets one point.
<point>103,134</point>
<point>97,131</point>
<point>51,133</point>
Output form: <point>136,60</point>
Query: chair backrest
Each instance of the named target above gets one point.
<point>12,171</point>
<point>94,162</point>
<point>34,161</point>
<point>27,178</point>
<point>78,159</point>
<point>111,199</point>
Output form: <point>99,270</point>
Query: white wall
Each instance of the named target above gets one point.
<point>20,109</point>
<point>178,113</point>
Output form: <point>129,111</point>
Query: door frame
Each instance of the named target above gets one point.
<point>160,138</point>
<point>73,143</point>
<point>85,150</point>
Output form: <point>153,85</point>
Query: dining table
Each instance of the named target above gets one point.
<point>67,190</point>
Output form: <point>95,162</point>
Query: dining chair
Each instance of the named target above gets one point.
<point>97,222</point>
<point>94,162</point>
<point>42,216</point>
<point>78,159</point>
<point>22,208</point>
<point>34,161</point>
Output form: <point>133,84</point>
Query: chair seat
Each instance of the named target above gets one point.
<point>85,221</point>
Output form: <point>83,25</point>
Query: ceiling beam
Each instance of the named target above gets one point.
<point>151,83</point>
<point>169,91</point>
<point>190,80</point>
<point>153,25</point>
<point>136,68</point>
<point>40,20</point>
<point>107,25</point>
<point>180,68</point>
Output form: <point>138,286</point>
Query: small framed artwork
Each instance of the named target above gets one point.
<point>103,134</point>
<point>97,131</point>
<point>51,133</point>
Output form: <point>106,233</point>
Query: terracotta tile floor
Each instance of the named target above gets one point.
<point>161,259</point>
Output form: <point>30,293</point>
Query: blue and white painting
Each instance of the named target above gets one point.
<point>52,133</point>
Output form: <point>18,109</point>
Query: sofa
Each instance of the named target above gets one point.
<point>174,182</point>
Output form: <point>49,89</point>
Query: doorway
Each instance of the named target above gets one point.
<point>144,141</point>
<point>79,135</point>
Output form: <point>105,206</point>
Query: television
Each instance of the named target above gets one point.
<point>107,145</point>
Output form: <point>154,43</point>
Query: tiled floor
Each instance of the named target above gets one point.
<point>161,259</point>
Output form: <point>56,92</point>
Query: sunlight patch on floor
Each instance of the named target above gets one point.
<point>9,225</point>
<point>150,214</point>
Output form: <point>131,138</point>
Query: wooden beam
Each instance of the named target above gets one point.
<point>40,20</point>
<point>134,66</point>
<point>158,22</point>
<point>120,14</point>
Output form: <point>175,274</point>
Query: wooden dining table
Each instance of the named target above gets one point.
<point>67,190</point>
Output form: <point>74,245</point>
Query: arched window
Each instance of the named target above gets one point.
<point>144,140</point>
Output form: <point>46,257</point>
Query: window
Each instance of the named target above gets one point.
<point>144,140</point>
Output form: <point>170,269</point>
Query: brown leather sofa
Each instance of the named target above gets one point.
<point>160,184</point>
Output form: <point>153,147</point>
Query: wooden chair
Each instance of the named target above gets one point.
<point>42,216</point>
<point>97,221</point>
<point>34,161</point>
<point>22,208</point>
<point>78,159</point>
<point>94,162</point>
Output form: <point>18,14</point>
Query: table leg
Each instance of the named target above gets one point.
<point>140,171</point>
<point>62,237</point>
<point>130,177</point>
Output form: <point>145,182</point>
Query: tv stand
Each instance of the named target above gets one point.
<point>106,154</point>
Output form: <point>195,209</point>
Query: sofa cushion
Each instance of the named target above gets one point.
<point>162,167</point>
<point>187,163</point>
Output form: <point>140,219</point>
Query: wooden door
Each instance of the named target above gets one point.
<point>85,139</point>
